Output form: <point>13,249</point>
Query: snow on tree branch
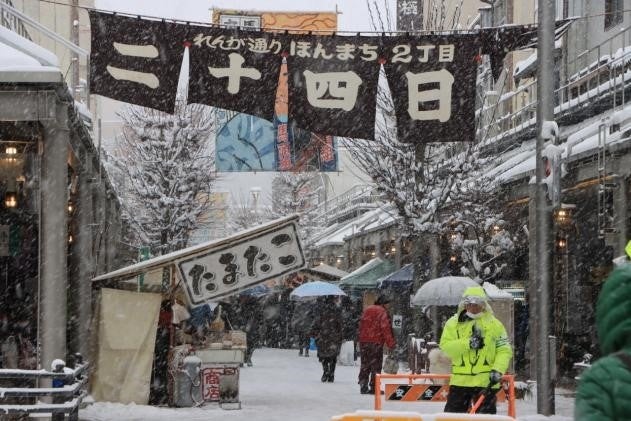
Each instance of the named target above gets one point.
<point>165,166</point>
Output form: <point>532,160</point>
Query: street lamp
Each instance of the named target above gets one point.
<point>255,192</point>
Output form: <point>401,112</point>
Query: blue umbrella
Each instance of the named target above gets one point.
<point>315,289</point>
<point>258,291</point>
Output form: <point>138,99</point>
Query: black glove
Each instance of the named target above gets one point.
<point>494,377</point>
<point>476,341</point>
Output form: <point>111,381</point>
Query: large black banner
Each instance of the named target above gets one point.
<point>333,84</point>
<point>136,60</point>
<point>332,79</point>
<point>235,70</point>
<point>432,80</point>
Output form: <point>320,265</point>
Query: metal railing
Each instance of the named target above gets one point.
<point>359,197</point>
<point>12,22</point>
<point>20,393</point>
<point>602,71</point>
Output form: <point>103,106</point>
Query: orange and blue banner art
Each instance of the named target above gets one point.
<point>281,145</point>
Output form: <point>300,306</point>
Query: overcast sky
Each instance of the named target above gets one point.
<point>354,15</point>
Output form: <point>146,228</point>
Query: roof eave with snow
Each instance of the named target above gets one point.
<point>30,75</point>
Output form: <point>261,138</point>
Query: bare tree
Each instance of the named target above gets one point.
<point>166,163</point>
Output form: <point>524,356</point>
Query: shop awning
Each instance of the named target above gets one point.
<point>402,278</point>
<point>201,270</point>
<point>330,273</point>
<point>366,276</point>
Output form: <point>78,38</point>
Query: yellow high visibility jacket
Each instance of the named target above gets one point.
<point>471,368</point>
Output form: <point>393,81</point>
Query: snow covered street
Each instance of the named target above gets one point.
<point>281,385</point>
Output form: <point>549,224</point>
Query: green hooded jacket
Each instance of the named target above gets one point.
<point>471,368</point>
<point>604,390</point>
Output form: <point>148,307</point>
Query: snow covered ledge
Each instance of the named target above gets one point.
<point>22,61</point>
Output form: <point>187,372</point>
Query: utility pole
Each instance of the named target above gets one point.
<point>545,112</point>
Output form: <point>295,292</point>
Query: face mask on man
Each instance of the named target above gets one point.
<point>474,316</point>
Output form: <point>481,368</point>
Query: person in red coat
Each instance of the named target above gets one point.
<point>375,331</point>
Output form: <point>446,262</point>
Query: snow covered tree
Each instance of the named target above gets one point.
<point>428,182</point>
<point>166,163</point>
<point>479,238</point>
<point>296,192</point>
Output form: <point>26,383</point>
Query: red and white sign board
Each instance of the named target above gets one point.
<point>212,378</point>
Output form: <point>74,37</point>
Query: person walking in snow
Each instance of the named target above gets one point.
<point>301,322</point>
<point>327,331</point>
<point>479,349</point>
<point>375,331</point>
<point>604,390</point>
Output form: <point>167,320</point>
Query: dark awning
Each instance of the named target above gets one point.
<point>402,278</point>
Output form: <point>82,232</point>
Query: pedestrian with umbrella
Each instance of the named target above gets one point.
<point>327,328</point>
<point>327,331</point>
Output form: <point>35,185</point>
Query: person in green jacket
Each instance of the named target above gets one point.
<point>604,390</point>
<point>480,352</point>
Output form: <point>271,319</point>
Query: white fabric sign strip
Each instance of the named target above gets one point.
<point>128,322</point>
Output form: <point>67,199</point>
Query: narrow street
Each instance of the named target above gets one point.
<point>283,386</point>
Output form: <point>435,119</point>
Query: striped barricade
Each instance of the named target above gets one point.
<point>419,388</point>
<point>414,416</point>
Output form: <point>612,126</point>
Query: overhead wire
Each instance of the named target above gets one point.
<point>325,31</point>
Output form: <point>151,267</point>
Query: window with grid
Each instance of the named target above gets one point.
<point>613,13</point>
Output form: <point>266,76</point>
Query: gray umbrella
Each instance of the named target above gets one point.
<point>446,291</point>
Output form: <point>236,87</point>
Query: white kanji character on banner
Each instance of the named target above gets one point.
<point>342,86</point>
<point>416,96</point>
<point>235,72</point>
<point>145,51</point>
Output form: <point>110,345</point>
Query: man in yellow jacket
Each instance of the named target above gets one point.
<point>480,352</point>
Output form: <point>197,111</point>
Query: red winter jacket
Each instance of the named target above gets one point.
<point>375,327</point>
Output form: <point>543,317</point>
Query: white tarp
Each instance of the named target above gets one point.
<point>127,327</point>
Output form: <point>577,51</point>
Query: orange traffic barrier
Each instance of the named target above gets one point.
<point>414,416</point>
<point>408,389</point>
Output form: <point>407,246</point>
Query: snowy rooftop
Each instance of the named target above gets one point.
<point>22,61</point>
<point>369,221</point>
<point>520,162</point>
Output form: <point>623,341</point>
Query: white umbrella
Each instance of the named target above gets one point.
<point>446,291</point>
<point>315,289</point>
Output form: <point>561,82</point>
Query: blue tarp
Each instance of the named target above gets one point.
<point>402,278</point>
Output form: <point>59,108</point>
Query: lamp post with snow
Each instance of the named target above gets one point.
<point>255,193</point>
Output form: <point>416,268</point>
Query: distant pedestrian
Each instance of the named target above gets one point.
<point>327,331</point>
<point>248,315</point>
<point>604,390</point>
<point>477,344</point>
<point>375,331</point>
<point>301,322</point>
